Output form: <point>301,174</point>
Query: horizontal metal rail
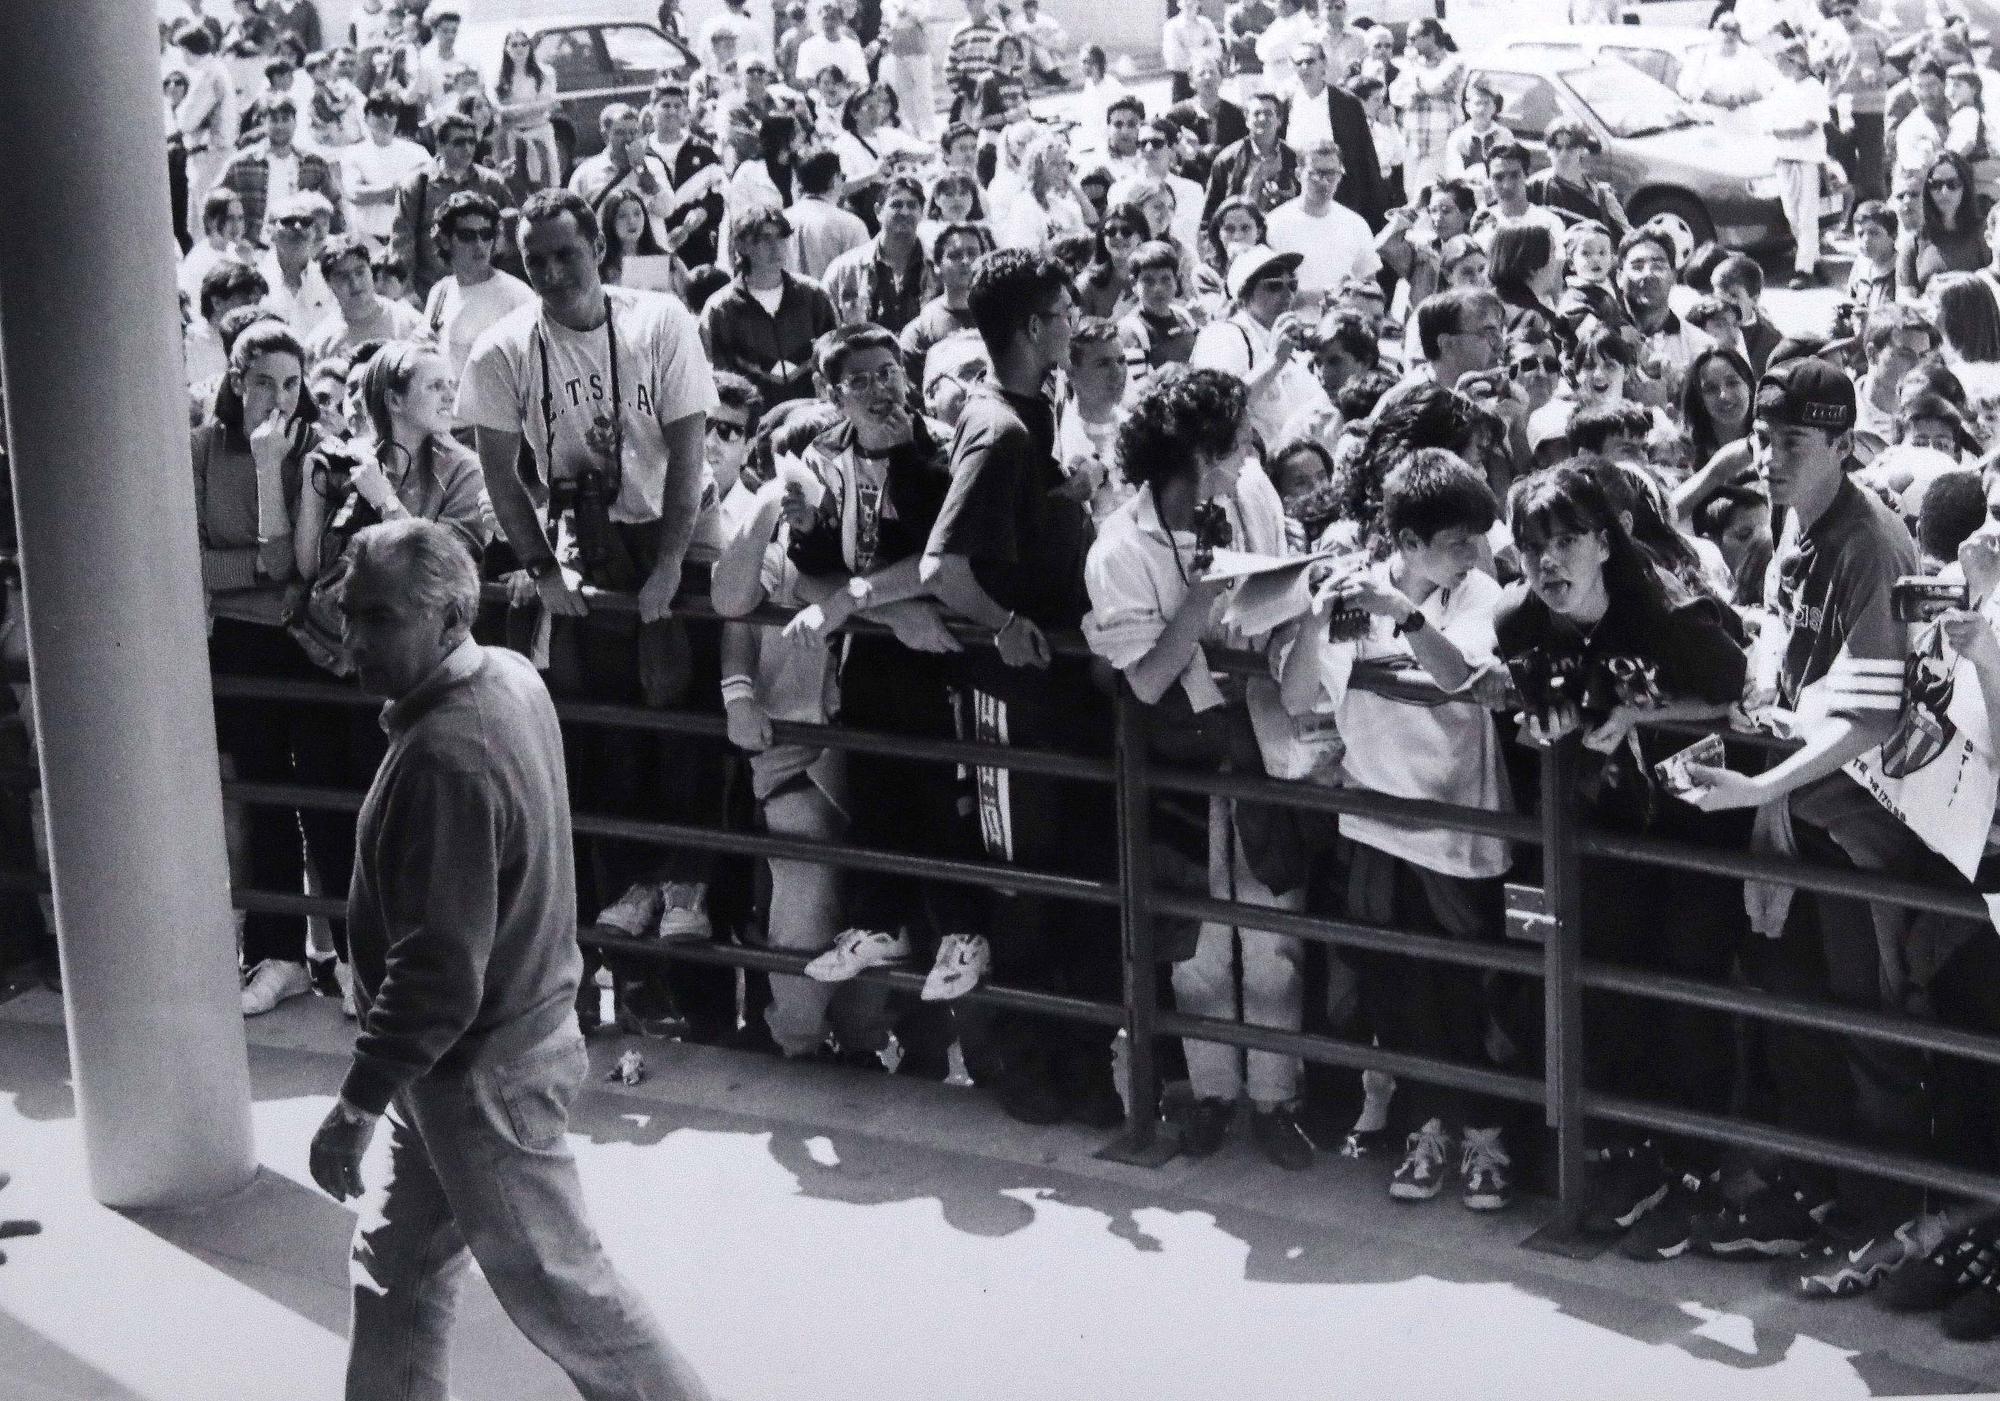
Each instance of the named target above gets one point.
<point>1313,797</point>
<point>1431,948</point>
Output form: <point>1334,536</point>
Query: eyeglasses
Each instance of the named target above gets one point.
<point>1545,364</point>
<point>480,233</point>
<point>728,430</point>
<point>861,381</point>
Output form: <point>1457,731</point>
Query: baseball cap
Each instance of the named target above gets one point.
<point>1259,261</point>
<point>1807,393</point>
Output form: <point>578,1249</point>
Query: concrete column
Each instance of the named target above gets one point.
<point>97,423</point>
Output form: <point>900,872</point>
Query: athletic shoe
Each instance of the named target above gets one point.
<point>1776,1221</point>
<point>1482,1171</point>
<point>324,974</point>
<point>1366,1143</point>
<point>633,914</point>
<point>1421,1174</point>
<point>1630,1181</point>
<point>1666,1232</point>
<point>1370,1135</point>
<point>855,951</point>
<point>1203,1125</point>
<point>648,1009</point>
<point>271,982</point>
<point>962,960</point>
<point>684,912</point>
<point>1277,1134</point>
<point>1837,1269</point>
<point>1959,1264</point>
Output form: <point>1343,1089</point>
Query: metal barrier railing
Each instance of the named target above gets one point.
<point>1559,965</point>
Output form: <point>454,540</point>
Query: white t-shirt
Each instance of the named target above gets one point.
<point>368,166</point>
<point>662,371</point>
<point>1310,119</point>
<point>1447,752</point>
<point>1241,346</point>
<point>459,315</point>
<point>817,52</point>
<point>1337,244</point>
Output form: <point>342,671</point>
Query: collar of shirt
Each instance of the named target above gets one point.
<point>459,666</point>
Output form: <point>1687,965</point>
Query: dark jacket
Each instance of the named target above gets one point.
<point>1361,187</point>
<point>747,340</point>
<point>462,913</point>
<point>418,200</point>
<point>1231,172</point>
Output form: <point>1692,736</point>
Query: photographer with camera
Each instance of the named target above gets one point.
<point>587,407</point>
<point>1263,342</point>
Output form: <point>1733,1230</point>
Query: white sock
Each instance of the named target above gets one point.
<point>1378,1087</point>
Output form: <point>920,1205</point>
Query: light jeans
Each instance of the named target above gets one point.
<point>479,1167</point>
<point>909,77</point>
<point>1798,193</point>
<point>805,918</point>
<point>1273,990</point>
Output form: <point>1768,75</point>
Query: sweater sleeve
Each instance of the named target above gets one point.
<point>439,895</point>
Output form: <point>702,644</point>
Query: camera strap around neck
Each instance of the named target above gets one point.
<point>617,408</point>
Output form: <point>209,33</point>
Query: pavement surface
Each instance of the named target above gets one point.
<point>812,1233</point>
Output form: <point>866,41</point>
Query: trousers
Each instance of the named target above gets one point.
<point>480,1170</point>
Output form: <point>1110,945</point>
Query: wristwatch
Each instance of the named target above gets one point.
<point>859,591</point>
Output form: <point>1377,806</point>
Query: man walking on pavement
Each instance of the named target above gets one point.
<point>462,925</point>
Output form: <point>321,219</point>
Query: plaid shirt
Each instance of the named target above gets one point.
<point>864,287</point>
<point>1429,101</point>
<point>249,175</point>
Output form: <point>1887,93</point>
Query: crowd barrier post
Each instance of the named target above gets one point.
<point>1141,1143</point>
<point>1562,953</point>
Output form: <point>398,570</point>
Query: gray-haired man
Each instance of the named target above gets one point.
<point>462,925</point>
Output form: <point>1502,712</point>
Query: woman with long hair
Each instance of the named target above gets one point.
<point>1523,268</point>
<point>1048,209</point>
<point>633,257</point>
<point>1186,448</point>
<point>1949,239</point>
<point>1596,639</point>
<point>527,95</point>
<point>868,136</point>
<point>1236,224</point>
<point>249,457</point>
<point>1968,317</point>
<point>1106,288</point>
<point>1716,400</point>
<point>1428,416</point>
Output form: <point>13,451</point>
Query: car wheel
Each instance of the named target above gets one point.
<point>1684,215</point>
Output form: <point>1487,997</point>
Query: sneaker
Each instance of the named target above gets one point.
<point>1421,1175</point>
<point>1203,1125</point>
<point>1277,1134</point>
<point>684,912</point>
<point>647,1009</point>
<point>1370,1135</point>
<point>633,914</point>
<point>1482,1171</point>
<point>1958,1265</point>
<point>325,975</point>
<point>1666,1232</point>
<point>1776,1221</point>
<point>1629,1182</point>
<point>1838,1268</point>
<point>856,950</point>
<point>1366,1143</point>
<point>273,981</point>
<point>962,960</point>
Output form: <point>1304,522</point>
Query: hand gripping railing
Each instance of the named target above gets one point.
<point>1559,964</point>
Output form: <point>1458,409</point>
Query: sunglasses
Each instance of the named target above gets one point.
<point>728,431</point>
<point>1121,232</point>
<point>481,233</point>
<point>295,221</point>
<point>1546,364</point>
<point>1279,284</point>
<point>1152,143</point>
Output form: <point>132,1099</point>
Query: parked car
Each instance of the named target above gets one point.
<point>1660,51</point>
<point>1660,154</point>
<point>598,59</point>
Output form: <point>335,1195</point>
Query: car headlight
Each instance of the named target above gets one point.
<point>1764,186</point>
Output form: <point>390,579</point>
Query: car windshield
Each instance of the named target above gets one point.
<point>1628,102</point>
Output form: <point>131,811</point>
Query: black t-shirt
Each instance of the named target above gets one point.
<point>1026,543</point>
<point>1695,648</point>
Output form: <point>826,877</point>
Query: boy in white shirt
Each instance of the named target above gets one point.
<point>1430,609</point>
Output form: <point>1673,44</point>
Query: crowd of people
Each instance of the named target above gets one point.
<point>1310,367</point>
